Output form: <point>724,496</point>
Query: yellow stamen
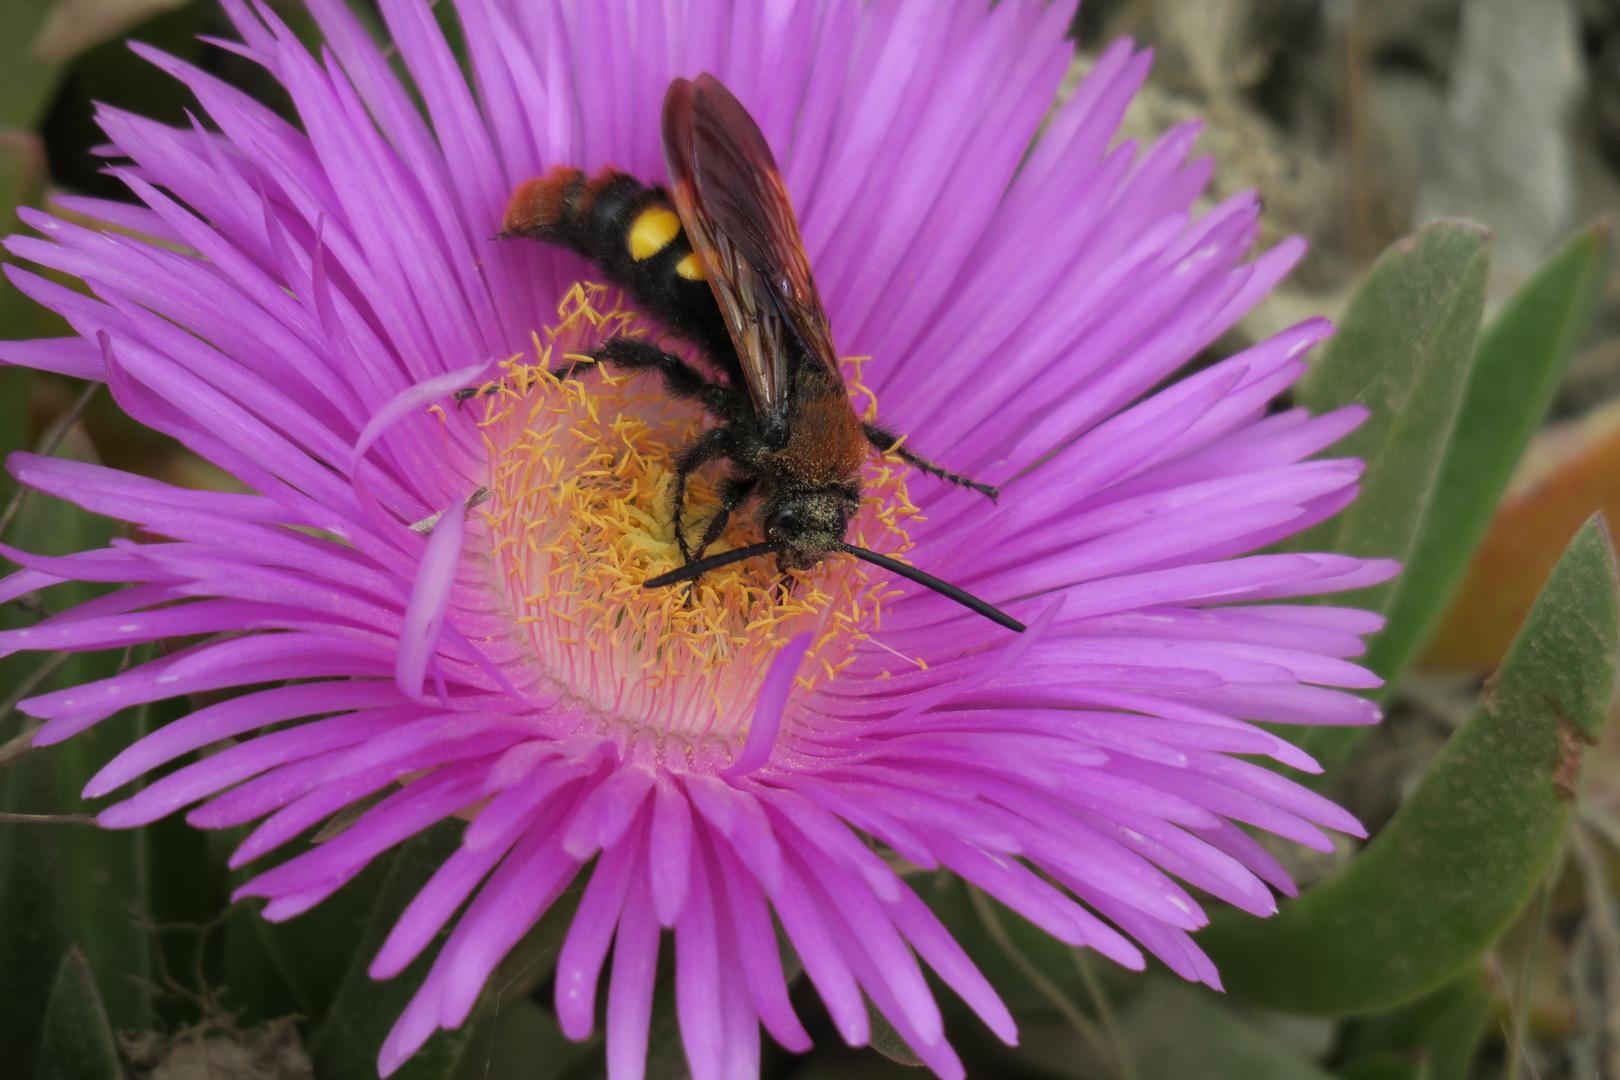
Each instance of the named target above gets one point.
<point>582,471</point>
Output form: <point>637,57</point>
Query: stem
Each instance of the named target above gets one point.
<point>1078,1020</point>
<point>1105,1013</point>
<point>48,446</point>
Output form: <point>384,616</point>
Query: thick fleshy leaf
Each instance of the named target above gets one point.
<point>1393,1065</point>
<point>110,74</point>
<point>296,957</point>
<point>1402,352</point>
<point>62,884</point>
<point>1570,471</point>
<point>362,1011</point>
<point>1437,886</point>
<point>186,890</point>
<point>25,83</point>
<point>257,984</point>
<point>1176,1031</point>
<point>1517,367</point>
<point>77,1041</point>
<point>1441,1031</point>
<point>275,969</point>
<point>1576,471</point>
<point>22,180</point>
<point>73,27</point>
<point>887,1041</point>
<point>523,1041</point>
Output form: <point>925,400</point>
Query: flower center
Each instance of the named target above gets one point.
<point>582,475</point>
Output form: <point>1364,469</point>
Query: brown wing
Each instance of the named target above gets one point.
<point>736,211</point>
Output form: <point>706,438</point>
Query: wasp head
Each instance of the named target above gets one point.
<point>810,521</point>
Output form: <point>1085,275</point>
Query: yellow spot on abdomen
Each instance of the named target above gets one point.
<point>690,269</point>
<point>652,232</point>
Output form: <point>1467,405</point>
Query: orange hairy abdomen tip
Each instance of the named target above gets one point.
<point>539,203</point>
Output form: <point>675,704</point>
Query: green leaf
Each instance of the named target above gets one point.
<point>110,74</point>
<point>1462,856</point>
<point>75,26</point>
<point>256,985</point>
<point>1443,1028</point>
<point>25,83</point>
<point>298,957</point>
<point>1177,1032</point>
<point>1517,367</point>
<point>77,1042</point>
<point>63,884</point>
<point>520,1040</point>
<point>1403,352</point>
<point>1391,1065</point>
<point>364,1010</point>
<point>22,180</point>
<point>1030,971</point>
<point>887,1041</point>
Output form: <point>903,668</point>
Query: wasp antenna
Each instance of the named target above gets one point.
<point>703,566</point>
<point>944,588</point>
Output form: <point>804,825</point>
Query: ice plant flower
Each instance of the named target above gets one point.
<point>442,603</point>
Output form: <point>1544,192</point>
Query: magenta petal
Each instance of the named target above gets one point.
<point>773,695</point>
<point>430,600</point>
<point>758,954</point>
<point>232,718</point>
<point>739,818</point>
<point>635,966</point>
<point>698,981</point>
<point>825,963</point>
<point>607,812</point>
<point>407,401</point>
<point>669,859</point>
<point>580,961</point>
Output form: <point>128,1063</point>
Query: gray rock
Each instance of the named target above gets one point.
<point>1503,156</point>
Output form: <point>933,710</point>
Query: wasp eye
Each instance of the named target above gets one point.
<point>782,521</point>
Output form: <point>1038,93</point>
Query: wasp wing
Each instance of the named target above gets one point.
<point>735,208</point>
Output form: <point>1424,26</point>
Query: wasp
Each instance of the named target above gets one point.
<point>717,259</point>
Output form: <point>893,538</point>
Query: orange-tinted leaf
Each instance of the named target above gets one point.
<point>1570,473</point>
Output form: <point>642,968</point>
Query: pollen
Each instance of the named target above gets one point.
<point>582,476</point>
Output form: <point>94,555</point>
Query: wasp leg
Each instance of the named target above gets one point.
<point>681,380</point>
<point>889,443</point>
<point>734,491</point>
<point>713,443</point>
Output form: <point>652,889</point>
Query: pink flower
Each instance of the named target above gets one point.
<point>455,592</point>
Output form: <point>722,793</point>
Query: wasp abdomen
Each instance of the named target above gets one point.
<point>634,236</point>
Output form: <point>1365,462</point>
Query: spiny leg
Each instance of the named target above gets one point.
<point>889,443</point>
<point>681,380</point>
<point>713,443</point>
<point>734,491</point>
